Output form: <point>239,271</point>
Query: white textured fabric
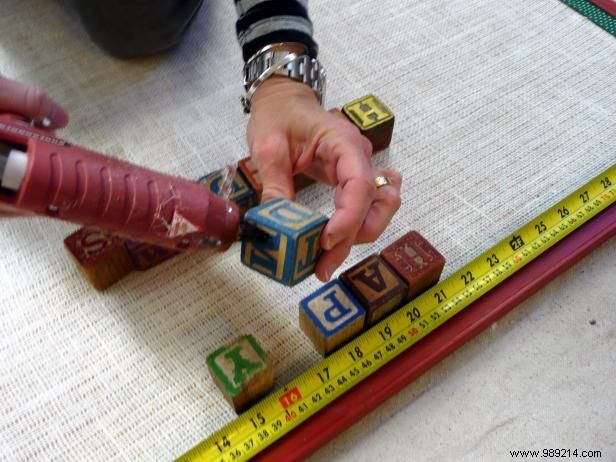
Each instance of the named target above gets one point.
<point>501,109</point>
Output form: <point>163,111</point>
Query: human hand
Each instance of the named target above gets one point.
<point>33,103</point>
<point>30,102</point>
<point>288,133</point>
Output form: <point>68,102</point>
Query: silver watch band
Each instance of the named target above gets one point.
<point>267,62</point>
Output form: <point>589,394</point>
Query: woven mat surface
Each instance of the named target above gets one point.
<point>501,109</point>
<point>597,14</point>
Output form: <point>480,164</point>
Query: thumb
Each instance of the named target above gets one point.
<point>270,154</point>
<point>31,102</point>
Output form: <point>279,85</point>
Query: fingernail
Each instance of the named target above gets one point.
<point>57,117</point>
<point>62,119</point>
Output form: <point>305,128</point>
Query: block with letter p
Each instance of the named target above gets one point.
<point>290,254</point>
<point>331,316</point>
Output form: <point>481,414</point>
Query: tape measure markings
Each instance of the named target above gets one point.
<point>287,408</point>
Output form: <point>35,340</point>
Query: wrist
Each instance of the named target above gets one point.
<point>287,60</point>
<point>285,89</point>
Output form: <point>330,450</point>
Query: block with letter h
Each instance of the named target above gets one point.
<point>331,316</point>
<point>290,254</point>
<point>373,118</point>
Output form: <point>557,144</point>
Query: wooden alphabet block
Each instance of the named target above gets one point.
<point>290,254</point>
<point>377,287</point>
<point>241,192</point>
<point>331,316</point>
<point>242,372</point>
<point>373,118</point>
<point>146,256</point>
<point>250,173</point>
<point>102,258</point>
<point>416,261</point>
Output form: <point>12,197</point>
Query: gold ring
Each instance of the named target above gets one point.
<point>381,181</point>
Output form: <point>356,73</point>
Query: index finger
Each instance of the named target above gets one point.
<point>31,102</point>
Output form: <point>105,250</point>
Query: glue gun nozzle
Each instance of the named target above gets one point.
<point>250,232</point>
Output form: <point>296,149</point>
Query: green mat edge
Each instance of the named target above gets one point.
<point>595,14</point>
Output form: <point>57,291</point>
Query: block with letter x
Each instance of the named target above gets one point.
<point>292,250</point>
<point>331,316</point>
<point>241,371</point>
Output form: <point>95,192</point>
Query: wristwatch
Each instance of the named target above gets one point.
<point>275,60</point>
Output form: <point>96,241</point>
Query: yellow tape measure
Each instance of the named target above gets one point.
<point>287,408</point>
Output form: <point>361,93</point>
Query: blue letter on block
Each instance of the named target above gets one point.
<point>331,316</point>
<point>289,214</point>
<point>295,232</point>
<point>266,257</point>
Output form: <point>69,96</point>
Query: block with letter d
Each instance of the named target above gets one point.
<point>290,254</point>
<point>331,316</point>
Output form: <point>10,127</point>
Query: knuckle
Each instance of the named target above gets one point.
<point>366,146</point>
<point>366,184</point>
<point>273,190</point>
<point>397,202</point>
<point>395,176</point>
<point>393,199</point>
<point>268,147</point>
